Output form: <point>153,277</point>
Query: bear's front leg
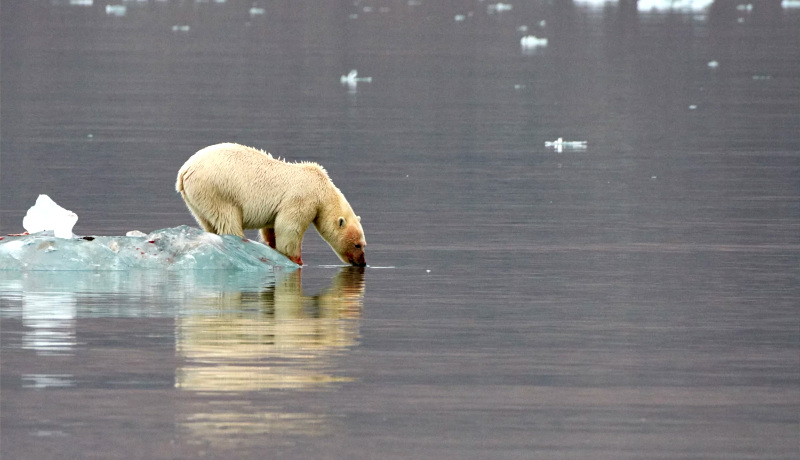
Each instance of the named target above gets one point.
<point>289,241</point>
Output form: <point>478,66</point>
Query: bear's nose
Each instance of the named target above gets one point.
<point>359,261</point>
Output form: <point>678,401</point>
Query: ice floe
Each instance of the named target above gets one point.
<point>179,248</point>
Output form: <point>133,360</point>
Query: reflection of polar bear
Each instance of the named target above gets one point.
<point>229,188</point>
<point>276,338</point>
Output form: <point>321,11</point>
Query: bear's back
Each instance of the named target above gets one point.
<point>238,170</point>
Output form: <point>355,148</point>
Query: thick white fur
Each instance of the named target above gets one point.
<point>230,188</point>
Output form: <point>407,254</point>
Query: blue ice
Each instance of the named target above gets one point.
<point>179,248</point>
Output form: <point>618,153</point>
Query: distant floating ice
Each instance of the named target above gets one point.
<point>180,28</point>
<point>560,144</point>
<point>257,11</point>
<point>116,10</point>
<point>531,41</point>
<point>713,64</point>
<point>657,5</point>
<point>498,7</point>
<point>47,215</point>
<point>352,80</point>
<point>179,248</point>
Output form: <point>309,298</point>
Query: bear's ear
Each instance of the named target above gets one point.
<point>359,218</point>
<point>341,222</point>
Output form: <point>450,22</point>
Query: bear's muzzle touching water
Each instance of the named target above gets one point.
<point>229,188</point>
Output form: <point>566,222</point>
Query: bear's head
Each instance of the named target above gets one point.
<point>350,243</point>
<point>341,228</point>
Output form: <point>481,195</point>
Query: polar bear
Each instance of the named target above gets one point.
<point>229,188</point>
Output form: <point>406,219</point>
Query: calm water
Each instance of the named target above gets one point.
<point>637,298</point>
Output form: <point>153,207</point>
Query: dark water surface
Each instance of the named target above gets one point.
<point>637,298</point>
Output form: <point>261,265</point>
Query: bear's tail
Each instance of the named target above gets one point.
<point>179,182</point>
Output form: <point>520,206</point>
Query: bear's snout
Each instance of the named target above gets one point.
<point>358,260</point>
<point>356,257</point>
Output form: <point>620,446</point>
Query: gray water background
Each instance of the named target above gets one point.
<point>634,299</point>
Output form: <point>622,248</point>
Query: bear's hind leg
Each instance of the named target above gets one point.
<point>268,235</point>
<point>198,216</point>
<point>228,221</point>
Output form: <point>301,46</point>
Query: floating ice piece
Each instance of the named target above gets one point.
<point>713,64</point>
<point>257,11</point>
<point>560,144</point>
<point>498,7</point>
<point>47,215</point>
<point>179,248</point>
<point>673,5</point>
<point>531,41</point>
<point>459,17</point>
<point>352,80</point>
<point>180,28</point>
<point>116,10</point>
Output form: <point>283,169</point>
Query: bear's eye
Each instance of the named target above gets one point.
<point>341,222</point>
<point>358,246</point>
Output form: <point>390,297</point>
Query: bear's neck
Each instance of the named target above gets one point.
<point>328,209</point>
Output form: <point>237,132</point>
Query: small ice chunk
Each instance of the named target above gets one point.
<point>560,144</point>
<point>498,7</point>
<point>532,41</point>
<point>459,17</point>
<point>351,80</point>
<point>47,215</point>
<point>116,10</point>
<point>713,64</point>
<point>136,233</point>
